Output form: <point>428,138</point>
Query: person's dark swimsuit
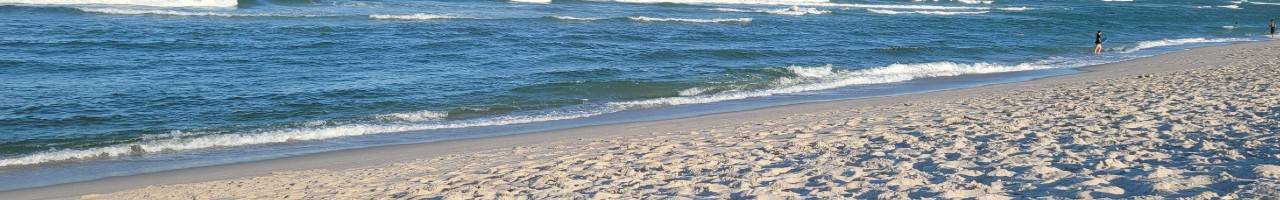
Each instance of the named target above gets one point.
<point>1098,39</point>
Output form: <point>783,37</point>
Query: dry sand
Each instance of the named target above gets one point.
<point>1197,124</point>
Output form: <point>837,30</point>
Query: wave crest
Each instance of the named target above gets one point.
<point>793,10</point>
<point>1174,42</point>
<point>925,12</point>
<point>418,116</point>
<point>151,3</point>
<point>126,11</point>
<point>184,141</point>
<point>805,79</point>
<point>416,16</point>
<point>687,20</point>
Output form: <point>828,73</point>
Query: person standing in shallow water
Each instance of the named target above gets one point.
<point>1097,43</point>
<point>1273,27</point>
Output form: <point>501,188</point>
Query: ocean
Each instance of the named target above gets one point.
<point>98,88</point>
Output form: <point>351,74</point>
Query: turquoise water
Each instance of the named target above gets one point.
<point>138,86</point>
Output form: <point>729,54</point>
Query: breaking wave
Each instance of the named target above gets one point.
<point>1024,8</point>
<point>126,11</point>
<point>532,1</point>
<point>965,1</point>
<point>925,12</point>
<point>687,20</point>
<point>805,79</point>
<point>793,10</point>
<point>572,18</point>
<point>181,141</point>
<point>1175,42</point>
<point>1262,3</point>
<point>417,16</point>
<point>419,116</point>
<point>812,3</point>
<point>151,3</point>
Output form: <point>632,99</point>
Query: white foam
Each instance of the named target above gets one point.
<point>976,1</point>
<point>827,77</point>
<point>532,1</point>
<point>1024,8</point>
<point>1262,3</point>
<point>811,3</point>
<point>756,2</point>
<point>417,16</point>
<point>925,12</point>
<point>793,10</point>
<point>888,12</point>
<point>152,3</point>
<point>179,143</point>
<point>128,11</point>
<point>965,1</point>
<point>687,20</point>
<point>577,18</point>
<point>1232,6</point>
<point>418,116</point>
<point>796,10</point>
<point>1174,42</point>
<point>693,91</point>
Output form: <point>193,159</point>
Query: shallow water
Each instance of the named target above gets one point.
<point>170,84</point>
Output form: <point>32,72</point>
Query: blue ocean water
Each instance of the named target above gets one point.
<point>134,86</point>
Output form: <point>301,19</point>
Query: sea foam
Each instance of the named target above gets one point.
<point>416,16</point>
<point>925,12</point>
<point>532,1</point>
<point>688,20</point>
<point>185,141</point>
<point>572,18</point>
<point>965,1</point>
<point>1262,3</point>
<point>128,11</point>
<point>793,10</point>
<point>807,79</point>
<point>811,3</point>
<point>1174,42</point>
<point>151,3</point>
<point>417,116</point>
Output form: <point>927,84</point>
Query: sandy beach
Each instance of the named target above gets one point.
<point>1194,124</point>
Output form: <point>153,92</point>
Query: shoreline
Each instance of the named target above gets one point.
<point>393,154</point>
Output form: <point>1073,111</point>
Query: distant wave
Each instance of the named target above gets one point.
<point>976,1</point>
<point>966,1</point>
<point>126,11</point>
<point>1118,0</point>
<point>793,10</point>
<point>763,2</point>
<point>572,18</point>
<point>1174,42</point>
<point>152,3</point>
<point>925,12</point>
<point>687,20</point>
<point>806,79</point>
<point>417,16</point>
<point>418,116</point>
<point>181,141</point>
<point>1024,8</point>
<point>814,3</point>
<point>532,1</point>
<point>1262,3</point>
